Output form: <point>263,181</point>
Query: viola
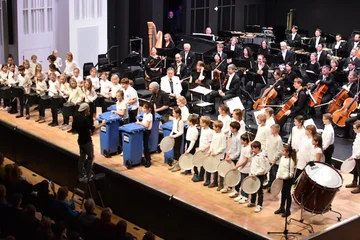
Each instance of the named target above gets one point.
<point>338,100</point>
<point>318,94</point>
<point>341,115</point>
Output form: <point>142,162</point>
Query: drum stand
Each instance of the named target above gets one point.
<point>306,226</point>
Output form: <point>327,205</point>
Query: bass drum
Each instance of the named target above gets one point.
<point>317,187</point>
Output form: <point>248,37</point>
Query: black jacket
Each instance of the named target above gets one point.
<point>301,105</point>
<point>234,86</point>
<point>323,59</point>
<point>183,70</point>
<point>312,41</point>
<point>293,43</point>
<point>289,57</point>
<point>190,61</point>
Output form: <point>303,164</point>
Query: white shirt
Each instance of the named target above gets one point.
<point>105,86</point>
<point>41,87</point>
<point>205,138</point>
<point>148,117</point>
<point>3,76</point>
<point>69,67</point>
<point>178,68</point>
<point>283,53</point>
<point>192,135</point>
<point>356,44</point>
<point>33,65</point>
<point>185,55</point>
<point>337,45</point>
<point>75,95</point>
<point>232,47</point>
<point>297,137</point>
<point>114,89</point>
<point>64,89</point>
<point>304,153</point>
<point>25,82</point>
<point>12,79</point>
<point>314,151</point>
<point>58,63</point>
<point>90,95</point>
<point>166,87</point>
<point>218,143</point>
<point>29,72</point>
<point>184,113</point>
<point>122,106</point>
<point>177,128</point>
<point>229,81</point>
<point>79,79</point>
<point>285,165</point>
<point>242,129</point>
<point>293,36</point>
<point>356,147</point>
<point>259,164</point>
<point>95,82</point>
<point>274,146</point>
<point>261,135</point>
<point>328,136</point>
<point>129,94</point>
<point>53,88</point>
<point>317,41</point>
<point>226,120</point>
<point>246,153</point>
<point>318,55</point>
<point>269,122</point>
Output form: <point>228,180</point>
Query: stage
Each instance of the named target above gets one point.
<point>169,204</point>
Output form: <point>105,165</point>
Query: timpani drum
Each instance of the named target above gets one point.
<point>17,92</point>
<point>44,101</point>
<point>317,187</point>
<point>5,92</point>
<point>68,109</point>
<point>31,98</point>
<point>56,101</point>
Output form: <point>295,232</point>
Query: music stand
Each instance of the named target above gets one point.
<point>230,54</point>
<point>166,52</point>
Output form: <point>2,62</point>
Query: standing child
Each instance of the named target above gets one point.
<point>245,164</point>
<point>356,157</point>
<point>54,90</point>
<point>12,82</point>
<point>286,173</point>
<point>262,131</point>
<point>41,90</point>
<point>94,79</point>
<point>273,151</point>
<point>131,99</point>
<point>234,152</point>
<point>115,86</point>
<point>177,134</point>
<point>58,60</point>
<point>79,79</point>
<point>105,86</point>
<point>181,102</point>
<point>269,113</point>
<point>121,108</point>
<point>204,145</point>
<point>33,63</point>
<point>297,135</point>
<point>238,116</point>
<point>224,118</point>
<point>192,135</point>
<point>147,122</point>
<point>4,81</point>
<point>70,64</point>
<point>90,96</point>
<point>25,82</point>
<point>317,154</point>
<point>28,70</point>
<point>328,138</point>
<point>217,147</point>
<point>305,149</point>
<point>75,96</point>
<point>259,166</point>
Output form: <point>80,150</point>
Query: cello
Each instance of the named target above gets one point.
<point>341,115</point>
<point>338,100</point>
<point>268,95</point>
<point>287,106</point>
<point>318,94</point>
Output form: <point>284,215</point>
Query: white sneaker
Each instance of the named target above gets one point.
<point>122,153</point>
<point>224,190</point>
<point>7,108</point>
<point>238,198</point>
<point>1,108</point>
<point>233,194</point>
<point>243,200</point>
<point>258,208</point>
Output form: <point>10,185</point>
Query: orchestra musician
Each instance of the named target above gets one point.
<point>171,85</point>
<point>230,86</point>
<point>208,30</point>
<point>153,66</point>
<point>188,57</point>
<point>353,44</point>
<point>338,45</point>
<point>334,66</point>
<point>220,51</point>
<point>168,43</point>
<point>233,46</point>
<point>285,54</point>
<point>247,56</point>
<point>353,58</point>
<point>314,41</point>
<point>264,49</point>
<point>290,77</point>
<point>259,76</point>
<point>198,77</point>
<point>293,39</point>
<point>351,68</point>
<point>219,67</point>
<point>278,86</point>
<point>181,72</point>
<point>301,105</point>
<point>314,67</point>
<point>321,55</point>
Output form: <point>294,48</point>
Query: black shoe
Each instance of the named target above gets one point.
<point>19,116</point>
<point>170,161</point>
<point>54,124</point>
<point>195,178</point>
<point>340,135</point>
<point>147,164</point>
<point>13,112</point>
<point>186,172</point>
<point>286,214</point>
<point>279,211</point>
<point>206,183</point>
<point>50,124</point>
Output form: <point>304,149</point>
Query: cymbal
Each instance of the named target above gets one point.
<point>305,38</point>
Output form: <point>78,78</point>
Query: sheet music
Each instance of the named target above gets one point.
<point>234,103</point>
<point>204,104</point>
<point>201,90</point>
<point>310,122</point>
<point>256,113</point>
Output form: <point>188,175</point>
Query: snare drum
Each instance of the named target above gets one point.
<point>5,92</point>
<point>68,109</point>
<point>17,92</point>
<point>317,187</point>
<point>31,99</point>
<point>56,102</point>
<point>44,101</point>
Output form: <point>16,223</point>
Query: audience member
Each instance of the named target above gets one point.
<point>149,236</point>
<point>59,231</point>
<point>18,184</point>
<point>44,200</point>
<point>29,225</point>
<point>45,229</point>
<point>121,233</point>
<point>2,166</point>
<point>103,227</point>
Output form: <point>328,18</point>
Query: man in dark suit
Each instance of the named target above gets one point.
<point>314,41</point>
<point>354,43</point>
<point>220,51</point>
<point>338,46</point>
<point>234,47</point>
<point>188,57</point>
<point>181,72</point>
<point>285,54</point>
<point>351,58</point>
<point>321,55</point>
<point>230,87</point>
<point>293,39</point>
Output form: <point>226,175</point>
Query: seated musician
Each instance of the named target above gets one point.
<point>353,44</point>
<point>328,80</point>
<point>171,85</point>
<point>160,101</point>
<point>315,41</point>
<point>353,58</point>
<point>338,45</point>
<point>168,43</point>
<point>198,77</point>
<point>351,68</point>
<point>334,66</point>
<point>290,77</point>
<point>285,54</point>
<point>153,66</point>
<point>208,30</point>
<point>218,69</point>
<point>278,86</point>
<point>230,86</point>
<point>293,39</point>
<point>264,49</point>
<point>321,55</point>
<point>181,72</point>
<point>188,57</point>
<point>312,68</point>
<point>301,105</point>
<point>258,76</point>
<point>220,51</point>
<point>233,46</point>
<point>247,55</point>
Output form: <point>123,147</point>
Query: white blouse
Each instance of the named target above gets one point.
<point>41,87</point>
<point>64,89</point>
<point>90,95</point>
<point>184,113</point>
<point>192,135</point>
<point>286,168</point>
<point>245,153</point>
<point>122,106</point>
<point>69,67</point>
<point>218,143</point>
<point>314,152</point>
<point>95,82</point>
<point>114,89</point>
<point>25,82</point>
<point>304,153</point>
<point>75,95</point>
<point>148,117</point>
<point>177,128</point>
<point>205,138</point>
<point>226,120</point>
<point>105,87</point>
<point>297,137</point>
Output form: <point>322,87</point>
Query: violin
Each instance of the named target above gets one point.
<point>268,95</point>
<point>341,115</point>
<point>338,100</point>
<point>318,94</point>
<point>287,106</point>
<point>151,63</point>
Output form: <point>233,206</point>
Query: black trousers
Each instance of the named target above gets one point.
<point>6,102</point>
<point>86,159</point>
<point>13,104</point>
<point>328,153</point>
<point>286,194</point>
<point>298,172</point>
<point>66,120</point>
<point>273,170</point>
<point>358,166</point>
<point>260,192</point>
<point>146,145</point>
<point>24,104</point>
<point>254,88</point>
<point>326,98</point>
<point>237,187</point>
<point>132,115</point>
<point>177,147</point>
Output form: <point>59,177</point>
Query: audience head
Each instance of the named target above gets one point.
<point>120,229</point>
<point>30,211</point>
<point>149,236</point>
<point>59,229</point>
<point>89,205</point>
<point>16,174</point>
<point>106,215</point>
<point>8,169</point>
<point>170,14</point>
<point>16,200</point>
<point>62,193</point>
<point>45,229</point>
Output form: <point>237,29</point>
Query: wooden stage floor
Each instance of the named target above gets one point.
<point>195,194</point>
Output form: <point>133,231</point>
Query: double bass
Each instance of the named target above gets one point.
<point>338,100</point>
<point>287,106</point>
<point>341,115</point>
<point>318,94</point>
<point>268,95</point>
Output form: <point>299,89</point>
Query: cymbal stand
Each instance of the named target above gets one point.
<point>286,232</point>
<point>306,226</point>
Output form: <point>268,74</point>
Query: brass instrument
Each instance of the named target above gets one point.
<point>155,37</point>
<point>289,22</point>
